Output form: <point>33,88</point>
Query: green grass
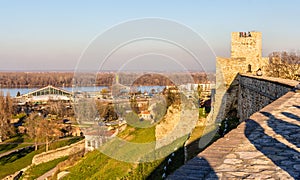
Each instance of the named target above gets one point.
<point>95,164</point>
<point>134,120</point>
<point>202,113</point>
<point>138,135</point>
<point>16,161</point>
<point>64,142</point>
<point>38,170</point>
<point>14,143</point>
<point>19,116</point>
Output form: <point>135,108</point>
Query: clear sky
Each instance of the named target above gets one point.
<point>51,35</point>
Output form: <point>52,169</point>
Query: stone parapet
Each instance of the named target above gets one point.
<point>58,153</point>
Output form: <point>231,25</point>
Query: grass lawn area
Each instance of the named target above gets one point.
<point>96,165</point>
<point>38,170</point>
<point>64,142</point>
<point>15,161</point>
<point>14,143</point>
<point>138,135</point>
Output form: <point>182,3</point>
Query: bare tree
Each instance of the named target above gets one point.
<point>41,130</point>
<point>32,128</point>
<point>284,65</point>
<point>6,110</point>
<point>58,108</point>
<point>49,132</point>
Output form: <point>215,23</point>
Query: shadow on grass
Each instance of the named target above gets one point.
<point>6,146</point>
<point>15,155</point>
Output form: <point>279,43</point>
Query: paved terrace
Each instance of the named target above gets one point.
<point>265,146</point>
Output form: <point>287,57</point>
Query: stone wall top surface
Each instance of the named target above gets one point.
<point>286,82</point>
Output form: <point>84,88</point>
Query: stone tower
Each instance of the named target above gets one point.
<point>246,58</point>
<point>248,45</point>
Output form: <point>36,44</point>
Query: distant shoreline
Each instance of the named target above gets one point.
<point>69,79</point>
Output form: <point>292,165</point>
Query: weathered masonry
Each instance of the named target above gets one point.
<point>255,92</point>
<point>246,58</point>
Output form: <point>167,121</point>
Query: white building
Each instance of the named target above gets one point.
<point>46,94</point>
<point>96,137</point>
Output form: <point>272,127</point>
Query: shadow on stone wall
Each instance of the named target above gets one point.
<point>197,168</point>
<point>280,154</point>
<point>290,115</point>
<point>296,106</point>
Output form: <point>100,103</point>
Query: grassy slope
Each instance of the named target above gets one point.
<point>98,165</point>
<point>15,161</point>
<point>14,143</point>
<point>38,170</point>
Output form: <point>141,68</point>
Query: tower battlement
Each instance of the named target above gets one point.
<point>246,56</point>
<point>246,44</point>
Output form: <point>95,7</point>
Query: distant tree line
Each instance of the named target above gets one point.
<point>67,79</point>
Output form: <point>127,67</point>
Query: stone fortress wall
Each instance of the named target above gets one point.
<point>256,92</point>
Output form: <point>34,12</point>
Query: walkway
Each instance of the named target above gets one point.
<point>266,146</point>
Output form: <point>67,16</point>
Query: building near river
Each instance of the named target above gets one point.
<point>45,94</point>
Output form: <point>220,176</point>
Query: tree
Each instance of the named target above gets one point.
<point>6,110</point>
<point>284,65</point>
<point>49,132</point>
<point>41,130</point>
<point>32,128</point>
<point>58,108</point>
<point>9,104</point>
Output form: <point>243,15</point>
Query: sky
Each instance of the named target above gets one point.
<point>52,35</point>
